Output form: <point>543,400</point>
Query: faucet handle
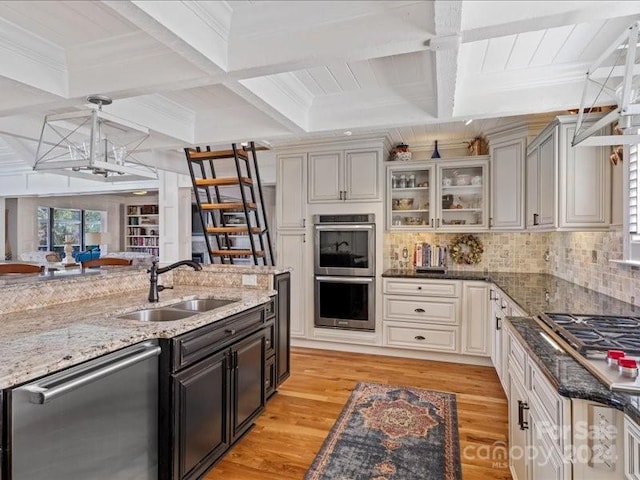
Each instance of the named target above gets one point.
<point>162,287</point>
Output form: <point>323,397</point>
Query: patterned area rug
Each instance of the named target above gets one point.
<point>388,432</point>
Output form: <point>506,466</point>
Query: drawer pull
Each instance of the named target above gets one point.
<point>522,406</point>
<point>419,288</point>
<point>419,310</point>
<point>268,342</point>
<point>419,337</point>
<point>230,331</point>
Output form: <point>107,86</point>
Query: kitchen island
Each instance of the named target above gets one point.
<point>51,324</point>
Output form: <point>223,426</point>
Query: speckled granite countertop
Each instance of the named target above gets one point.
<point>536,293</point>
<point>43,340</point>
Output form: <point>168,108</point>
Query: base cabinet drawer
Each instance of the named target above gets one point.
<point>433,288</point>
<point>433,338</point>
<point>444,310</point>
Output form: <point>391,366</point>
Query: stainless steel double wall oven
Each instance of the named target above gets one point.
<point>344,260</point>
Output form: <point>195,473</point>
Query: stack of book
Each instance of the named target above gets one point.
<point>429,257</point>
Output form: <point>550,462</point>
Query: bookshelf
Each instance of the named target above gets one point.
<point>142,228</point>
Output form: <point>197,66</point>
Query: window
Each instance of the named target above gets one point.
<point>631,227</point>
<point>56,224</point>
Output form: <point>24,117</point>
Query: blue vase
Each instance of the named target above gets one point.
<point>436,153</point>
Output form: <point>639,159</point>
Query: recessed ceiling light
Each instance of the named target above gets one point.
<point>468,121</point>
<point>348,133</point>
<point>140,192</point>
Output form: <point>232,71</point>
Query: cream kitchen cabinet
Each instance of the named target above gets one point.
<point>476,326</point>
<point>448,195</point>
<point>507,151</point>
<point>292,253</point>
<point>436,315</point>
<point>568,188</point>
<point>631,449</point>
<point>344,176</point>
<point>291,191</point>
<point>539,421</point>
<point>421,314</point>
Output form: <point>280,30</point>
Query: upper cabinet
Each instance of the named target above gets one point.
<point>507,151</point>
<point>291,191</point>
<point>344,176</point>
<point>448,194</point>
<point>568,187</point>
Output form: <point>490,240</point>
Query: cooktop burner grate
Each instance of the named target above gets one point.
<point>596,333</point>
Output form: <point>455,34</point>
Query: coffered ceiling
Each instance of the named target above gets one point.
<point>278,72</point>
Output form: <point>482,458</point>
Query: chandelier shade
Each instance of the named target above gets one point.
<point>92,144</point>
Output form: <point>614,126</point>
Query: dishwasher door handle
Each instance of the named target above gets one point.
<point>41,394</point>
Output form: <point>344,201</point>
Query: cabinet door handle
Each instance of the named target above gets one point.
<point>304,238</point>
<point>522,406</point>
<point>419,337</point>
<point>535,219</point>
<point>230,331</point>
<point>492,294</point>
<point>345,194</point>
<point>419,310</point>
<point>498,323</point>
<point>304,222</point>
<point>432,223</point>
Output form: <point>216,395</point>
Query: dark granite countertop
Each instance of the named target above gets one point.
<point>536,293</point>
<point>570,378</point>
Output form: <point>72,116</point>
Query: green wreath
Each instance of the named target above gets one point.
<point>466,249</point>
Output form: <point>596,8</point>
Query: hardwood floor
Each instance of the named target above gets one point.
<point>297,419</point>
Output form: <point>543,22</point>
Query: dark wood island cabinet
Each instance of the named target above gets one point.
<point>214,392</point>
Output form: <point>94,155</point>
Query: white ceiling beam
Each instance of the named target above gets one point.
<point>159,114</point>
<point>198,31</point>
<point>446,44</point>
<point>481,20</point>
<point>31,60</point>
<point>398,28</point>
<point>280,106</point>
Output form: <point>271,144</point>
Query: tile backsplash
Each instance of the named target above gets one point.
<point>579,257</point>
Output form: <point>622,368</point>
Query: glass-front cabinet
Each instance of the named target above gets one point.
<point>410,200</point>
<point>449,194</point>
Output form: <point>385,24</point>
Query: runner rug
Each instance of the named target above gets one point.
<point>387,432</point>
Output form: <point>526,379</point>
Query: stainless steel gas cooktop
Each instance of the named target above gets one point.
<point>607,346</point>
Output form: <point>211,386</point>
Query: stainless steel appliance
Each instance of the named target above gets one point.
<point>344,264</point>
<point>597,342</point>
<point>345,245</point>
<point>97,420</point>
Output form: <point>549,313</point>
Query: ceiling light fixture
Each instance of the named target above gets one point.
<point>468,122</point>
<point>139,192</point>
<point>92,144</point>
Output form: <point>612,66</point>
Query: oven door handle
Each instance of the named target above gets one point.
<point>345,279</point>
<point>342,228</point>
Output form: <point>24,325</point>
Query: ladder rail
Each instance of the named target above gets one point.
<point>264,213</point>
<point>253,199</point>
<point>223,223</point>
<point>198,203</point>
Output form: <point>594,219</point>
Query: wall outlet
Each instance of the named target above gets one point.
<point>249,280</point>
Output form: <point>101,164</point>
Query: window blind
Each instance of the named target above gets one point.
<point>633,190</point>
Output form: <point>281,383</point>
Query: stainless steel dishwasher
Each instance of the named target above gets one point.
<point>97,420</point>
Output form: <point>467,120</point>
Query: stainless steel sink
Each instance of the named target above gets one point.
<point>158,315</point>
<point>202,305</point>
